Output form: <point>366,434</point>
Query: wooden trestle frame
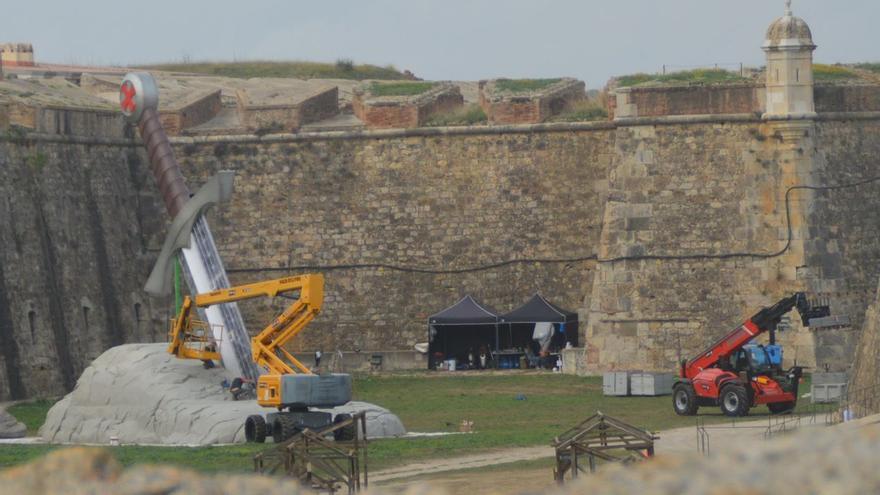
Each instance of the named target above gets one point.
<point>320,462</point>
<point>600,437</point>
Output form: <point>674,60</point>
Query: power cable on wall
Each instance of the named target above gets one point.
<point>577,259</point>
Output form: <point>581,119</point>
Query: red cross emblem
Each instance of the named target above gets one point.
<point>127,94</point>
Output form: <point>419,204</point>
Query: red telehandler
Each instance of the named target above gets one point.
<point>738,375</point>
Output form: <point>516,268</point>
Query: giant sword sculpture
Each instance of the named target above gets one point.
<point>189,237</point>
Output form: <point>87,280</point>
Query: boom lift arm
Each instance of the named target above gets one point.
<point>765,320</point>
<point>267,347</point>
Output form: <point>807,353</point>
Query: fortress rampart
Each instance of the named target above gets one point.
<point>81,226</point>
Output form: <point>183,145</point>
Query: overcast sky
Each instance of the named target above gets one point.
<point>449,39</point>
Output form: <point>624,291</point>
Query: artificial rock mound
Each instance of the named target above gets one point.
<point>140,394</point>
<point>11,427</point>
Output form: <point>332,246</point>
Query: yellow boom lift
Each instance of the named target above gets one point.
<point>287,383</point>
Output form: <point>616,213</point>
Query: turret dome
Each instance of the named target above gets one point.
<point>789,31</point>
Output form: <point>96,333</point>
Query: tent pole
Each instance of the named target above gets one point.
<point>496,339</point>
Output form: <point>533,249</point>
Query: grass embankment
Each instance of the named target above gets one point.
<point>467,115</point>
<point>582,111</point>
<point>869,66</point>
<point>697,76</point>
<point>822,72</point>
<point>400,88</point>
<point>342,69</point>
<point>439,402</point>
<point>523,85</point>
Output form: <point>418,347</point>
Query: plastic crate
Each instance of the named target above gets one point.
<point>828,387</point>
<point>651,384</point>
<point>615,383</point>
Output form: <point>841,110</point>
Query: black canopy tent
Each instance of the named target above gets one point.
<point>465,326</point>
<point>521,322</point>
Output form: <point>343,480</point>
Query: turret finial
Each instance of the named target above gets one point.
<point>788,7</point>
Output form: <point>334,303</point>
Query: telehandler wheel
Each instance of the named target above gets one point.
<point>283,428</point>
<point>684,399</point>
<point>734,400</point>
<point>346,433</point>
<point>255,429</point>
<point>780,407</point>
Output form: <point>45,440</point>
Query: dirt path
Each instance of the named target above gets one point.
<point>493,458</point>
<point>676,441</point>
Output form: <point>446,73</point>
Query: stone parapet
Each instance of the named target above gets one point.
<point>390,112</point>
<point>529,107</point>
<point>847,98</point>
<point>656,101</point>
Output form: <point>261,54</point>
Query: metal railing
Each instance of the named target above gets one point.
<point>858,403</point>
<point>775,424</point>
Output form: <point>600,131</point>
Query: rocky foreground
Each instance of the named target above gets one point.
<point>837,460</point>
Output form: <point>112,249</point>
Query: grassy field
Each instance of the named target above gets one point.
<point>342,69</point>
<point>510,410</point>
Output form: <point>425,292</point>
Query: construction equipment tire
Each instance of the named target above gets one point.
<point>734,400</point>
<point>348,432</point>
<point>780,407</point>
<point>684,399</point>
<point>255,429</point>
<point>283,428</point>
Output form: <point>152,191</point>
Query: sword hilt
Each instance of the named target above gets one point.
<point>139,99</point>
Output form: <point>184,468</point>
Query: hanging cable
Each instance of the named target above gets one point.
<point>576,259</point>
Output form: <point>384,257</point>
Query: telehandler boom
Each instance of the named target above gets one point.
<point>737,375</point>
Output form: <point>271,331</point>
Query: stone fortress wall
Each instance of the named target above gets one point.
<point>82,223</point>
<point>672,214</point>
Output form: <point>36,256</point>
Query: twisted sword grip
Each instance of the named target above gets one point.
<point>164,166</point>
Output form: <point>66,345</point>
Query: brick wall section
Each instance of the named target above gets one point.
<point>687,100</point>
<point>405,112</point>
<point>531,108</point>
<point>514,111</point>
<point>385,115</point>
<point>854,98</point>
<point>289,117</point>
